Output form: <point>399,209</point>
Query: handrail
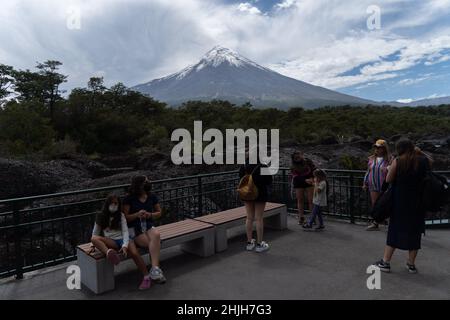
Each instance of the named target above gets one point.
<point>123,186</point>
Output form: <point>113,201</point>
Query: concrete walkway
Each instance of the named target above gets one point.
<point>300,265</point>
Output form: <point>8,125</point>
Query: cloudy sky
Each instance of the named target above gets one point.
<point>323,42</point>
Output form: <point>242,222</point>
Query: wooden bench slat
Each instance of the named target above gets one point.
<point>233,214</point>
<point>189,225</point>
<point>168,231</point>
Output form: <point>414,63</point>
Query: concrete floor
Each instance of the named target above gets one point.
<point>300,265</point>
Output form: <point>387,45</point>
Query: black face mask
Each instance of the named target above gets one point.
<point>147,187</point>
<point>299,162</point>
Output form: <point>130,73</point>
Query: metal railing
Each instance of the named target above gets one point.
<point>44,230</point>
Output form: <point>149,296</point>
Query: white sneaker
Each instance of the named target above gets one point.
<point>157,275</point>
<point>263,246</point>
<point>251,246</point>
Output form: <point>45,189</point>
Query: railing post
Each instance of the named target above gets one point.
<point>200,196</point>
<point>285,188</point>
<point>17,241</point>
<point>352,198</point>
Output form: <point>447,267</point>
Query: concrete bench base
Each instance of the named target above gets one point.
<point>96,274</point>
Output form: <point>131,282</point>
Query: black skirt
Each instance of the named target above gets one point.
<point>407,221</point>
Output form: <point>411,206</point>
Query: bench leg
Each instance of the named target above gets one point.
<point>221,239</point>
<point>97,275</point>
<point>278,221</point>
<point>203,247</point>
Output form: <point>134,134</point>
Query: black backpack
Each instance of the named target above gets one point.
<point>436,192</point>
<point>382,208</point>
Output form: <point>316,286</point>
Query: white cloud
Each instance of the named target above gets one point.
<point>412,81</point>
<point>433,96</point>
<point>405,100</point>
<point>248,7</point>
<point>286,4</point>
<point>314,40</point>
<point>437,58</point>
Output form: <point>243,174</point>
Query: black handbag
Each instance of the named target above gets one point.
<point>382,208</point>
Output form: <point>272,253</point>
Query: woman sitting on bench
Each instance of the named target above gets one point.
<point>110,235</point>
<point>140,208</point>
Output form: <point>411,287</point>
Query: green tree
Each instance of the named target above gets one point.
<point>42,86</point>
<point>51,81</point>
<point>23,130</point>
<point>6,81</point>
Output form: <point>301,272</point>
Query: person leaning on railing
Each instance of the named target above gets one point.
<point>407,219</point>
<point>375,177</point>
<point>141,207</point>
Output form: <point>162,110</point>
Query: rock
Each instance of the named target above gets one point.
<point>396,138</point>
<point>152,160</point>
<point>25,178</point>
<point>329,140</point>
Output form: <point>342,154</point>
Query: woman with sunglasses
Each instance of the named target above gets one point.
<point>375,177</point>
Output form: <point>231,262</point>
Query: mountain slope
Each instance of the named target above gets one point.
<point>224,74</point>
<point>429,102</point>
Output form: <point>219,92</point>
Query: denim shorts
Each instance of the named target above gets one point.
<point>119,242</point>
<point>133,233</point>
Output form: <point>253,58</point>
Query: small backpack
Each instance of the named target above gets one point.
<point>436,192</point>
<point>247,189</point>
<point>382,208</point>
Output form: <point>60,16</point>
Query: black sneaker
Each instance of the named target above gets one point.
<point>411,268</point>
<point>384,266</point>
<point>307,226</point>
<point>320,228</point>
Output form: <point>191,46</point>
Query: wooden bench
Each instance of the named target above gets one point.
<point>195,237</point>
<point>275,217</point>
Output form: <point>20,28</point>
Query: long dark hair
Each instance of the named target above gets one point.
<point>103,218</point>
<point>137,185</point>
<point>296,153</point>
<point>408,157</point>
<point>304,166</point>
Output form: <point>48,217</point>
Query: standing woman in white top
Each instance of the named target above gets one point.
<point>110,234</point>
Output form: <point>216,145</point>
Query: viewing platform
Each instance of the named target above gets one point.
<point>299,265</point>
<point>39,236</point>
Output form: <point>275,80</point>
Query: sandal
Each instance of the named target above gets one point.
<point>302,221</point>
<point>113,257</point>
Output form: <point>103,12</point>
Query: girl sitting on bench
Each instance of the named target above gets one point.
<point>110,236</point>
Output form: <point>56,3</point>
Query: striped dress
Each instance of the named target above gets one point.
<point>376,173</point>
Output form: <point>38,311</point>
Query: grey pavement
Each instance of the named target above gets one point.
<point>300,265</point>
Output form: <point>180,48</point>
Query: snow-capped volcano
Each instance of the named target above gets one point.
<point>219,55</point>
<point>214,58</point>
<point>224,74</point>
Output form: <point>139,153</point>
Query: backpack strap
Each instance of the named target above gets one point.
<point>254,170</point>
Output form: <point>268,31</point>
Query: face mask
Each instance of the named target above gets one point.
<point>147,187</point>
<point>113,208</point>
